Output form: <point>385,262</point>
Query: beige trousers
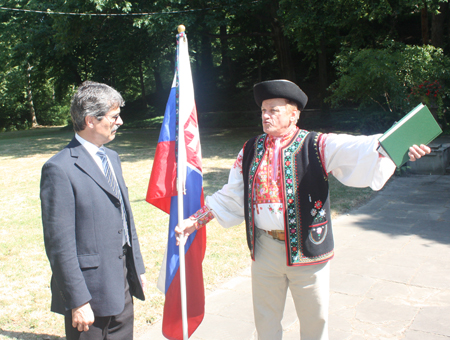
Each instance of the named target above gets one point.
<point>271,278</point>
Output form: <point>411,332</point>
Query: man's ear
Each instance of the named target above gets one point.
<point>89,120</point>
<point>294,115</point>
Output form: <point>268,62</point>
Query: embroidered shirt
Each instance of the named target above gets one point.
<point>267,195</point>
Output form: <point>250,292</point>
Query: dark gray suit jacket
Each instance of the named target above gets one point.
<point>83,229</point>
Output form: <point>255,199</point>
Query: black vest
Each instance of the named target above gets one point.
<point>309,237</point>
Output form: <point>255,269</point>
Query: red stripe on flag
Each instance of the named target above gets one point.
<point>162,185</point>
<point>192,138</point>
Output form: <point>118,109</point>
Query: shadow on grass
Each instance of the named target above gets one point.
<point>132,144</point>
<point>214,180</point>
<point>29,336</point>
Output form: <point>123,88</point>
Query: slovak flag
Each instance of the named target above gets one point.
<point>180,157</point>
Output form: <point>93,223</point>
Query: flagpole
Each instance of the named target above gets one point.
<point>181,190</point>
<point>182,262</point>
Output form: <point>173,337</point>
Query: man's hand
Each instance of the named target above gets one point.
<point>416,152</point>
<point>82,317</point>
<point>187,229</point>
<point>143,282</point>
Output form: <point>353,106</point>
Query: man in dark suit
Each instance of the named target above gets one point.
<point>89,232</point>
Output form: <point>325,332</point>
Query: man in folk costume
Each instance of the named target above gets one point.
<point>279,185</point>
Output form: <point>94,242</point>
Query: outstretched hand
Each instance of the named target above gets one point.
<point>186,229</point>
<point>416,152</point>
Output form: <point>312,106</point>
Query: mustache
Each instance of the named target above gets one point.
<point>115,128</point>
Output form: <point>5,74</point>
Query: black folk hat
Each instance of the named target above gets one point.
<point>279,88</point>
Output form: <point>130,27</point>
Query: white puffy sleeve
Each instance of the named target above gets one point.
<point>227,204</point>
<point>355,161</point>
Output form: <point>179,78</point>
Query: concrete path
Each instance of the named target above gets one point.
<point>390,278</point>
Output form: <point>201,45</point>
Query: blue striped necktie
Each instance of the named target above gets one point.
<point>113,183</point>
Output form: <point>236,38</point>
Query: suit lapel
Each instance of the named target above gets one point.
<point>86,163</point>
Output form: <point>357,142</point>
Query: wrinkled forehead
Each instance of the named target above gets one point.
<point>274,102</point>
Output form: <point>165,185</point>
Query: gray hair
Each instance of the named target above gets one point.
<point>93,99</point>
<point>295,108</point>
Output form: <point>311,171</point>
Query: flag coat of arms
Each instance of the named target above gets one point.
<point>178,155</point>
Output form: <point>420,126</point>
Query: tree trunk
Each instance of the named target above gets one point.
<point>282,48</point>
<point>141,78</point>
<point>207,95</point>
<point>30,98</point>
<point>424,22</point>
<point>227,69</point>
<point>259,52</point>
<point>159,87</point>
<point>437,26</point>
<point>206,64</point>
<point>159,100</point>
<point>323,75</point>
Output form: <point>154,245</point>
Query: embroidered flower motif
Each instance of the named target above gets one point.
<point>289,180</point>
<point>313,212</point>
<point>288,163</point>
<point>290,200</point>
<point>322,212</point>
<point>238,162</point>
<point>292,230</point>
<point>318,204</point>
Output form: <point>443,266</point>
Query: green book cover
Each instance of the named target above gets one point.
<point>417,127</point>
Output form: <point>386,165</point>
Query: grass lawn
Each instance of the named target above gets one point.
<point>24,268</point>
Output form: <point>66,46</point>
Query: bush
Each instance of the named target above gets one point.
<point>385,78</point>
<point>14,109</point>
<point>54,115</point>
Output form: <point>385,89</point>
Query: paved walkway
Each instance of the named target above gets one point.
<point>390,278</point>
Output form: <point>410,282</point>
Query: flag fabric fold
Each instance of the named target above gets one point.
<point>178,154</point>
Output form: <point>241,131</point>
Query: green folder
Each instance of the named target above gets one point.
<point>417,127</point>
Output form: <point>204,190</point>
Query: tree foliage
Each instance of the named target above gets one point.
<point>46,54</point>
<point>389,79</point>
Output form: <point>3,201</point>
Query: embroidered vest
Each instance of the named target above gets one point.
<point>309,237</point>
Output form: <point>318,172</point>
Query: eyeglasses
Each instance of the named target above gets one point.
<point>114,118</point>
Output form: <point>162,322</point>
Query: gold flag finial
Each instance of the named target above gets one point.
<point>181,28</point>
